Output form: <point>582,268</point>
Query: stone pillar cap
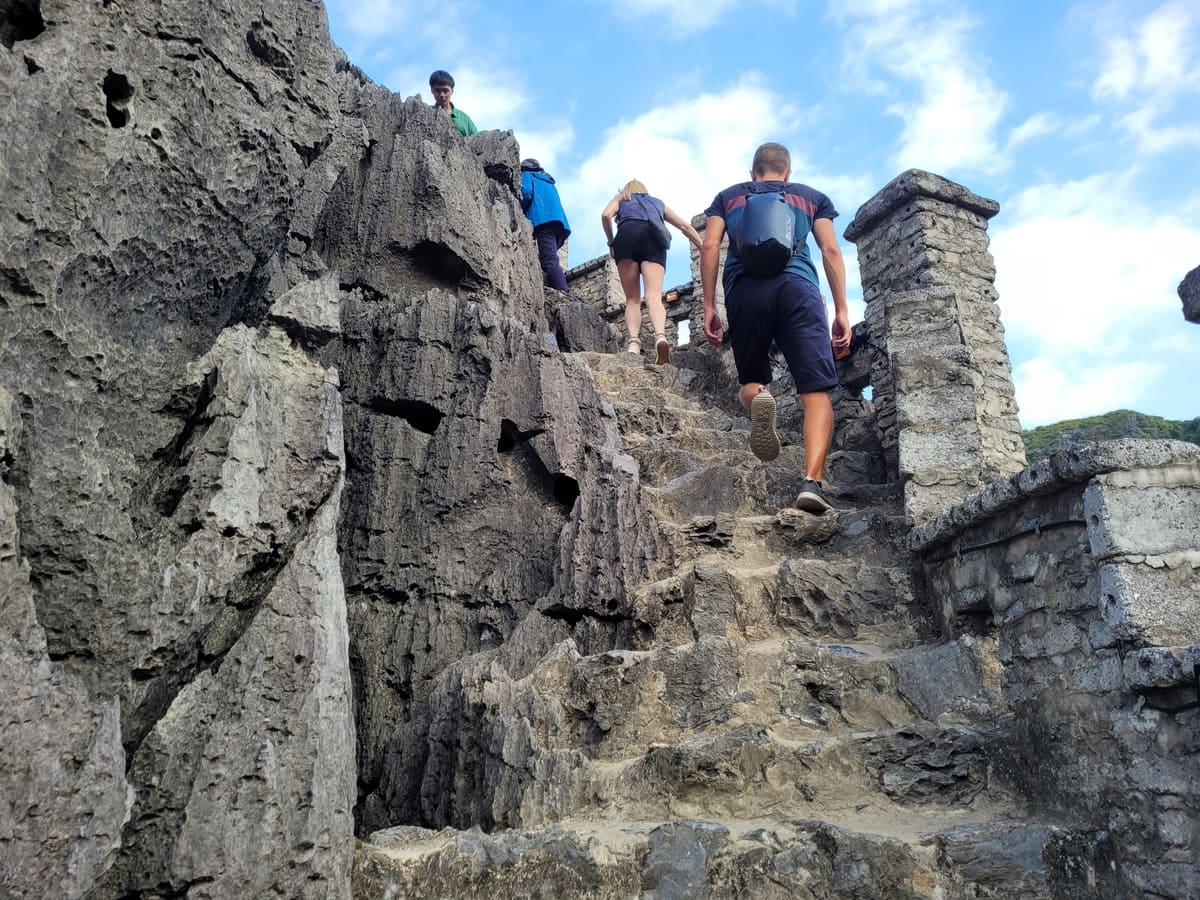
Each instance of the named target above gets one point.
<point>908,186</point>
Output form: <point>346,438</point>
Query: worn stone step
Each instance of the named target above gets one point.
<point>750,769</point>
<point>640,419</point>
<point>870,534</point>
<point>759,858</point>
<point>799,596</point>
<point>803,690</point>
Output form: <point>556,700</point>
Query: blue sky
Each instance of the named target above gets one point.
<point>1083,121</point>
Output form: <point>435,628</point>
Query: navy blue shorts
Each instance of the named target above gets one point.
<point>789,311</point>
<point>635,240</point>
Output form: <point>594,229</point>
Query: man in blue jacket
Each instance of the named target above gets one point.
<point>539,200</point>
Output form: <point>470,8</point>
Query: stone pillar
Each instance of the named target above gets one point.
<point>941,378</point>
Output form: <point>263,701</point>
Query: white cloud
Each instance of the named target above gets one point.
<point>1035,126</point>
<point>1154,56</point>
<point>685,17</point>
<point>1050,390</point>
<point>1087,285</point>
<point>951,122</point>
<point>688,151</point>
<point>1153,138</point>
<point>1151,68</point>
<point>436,27</point>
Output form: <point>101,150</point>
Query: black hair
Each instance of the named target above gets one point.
<point>441,76</point>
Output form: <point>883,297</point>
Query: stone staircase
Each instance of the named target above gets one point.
<point>795,726</point>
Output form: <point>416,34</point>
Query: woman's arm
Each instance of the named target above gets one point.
<point>683,225</point>
<point>606,218</point>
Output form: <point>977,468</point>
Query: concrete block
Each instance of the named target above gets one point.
<point>1159,607</point>
<point>1144,512</point>
<point>934,447</point>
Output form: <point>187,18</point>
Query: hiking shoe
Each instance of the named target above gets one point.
<point>662,347</point>
<point>764,440</point>
<point>812,498</point>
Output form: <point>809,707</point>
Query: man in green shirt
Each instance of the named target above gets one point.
<point>442,85</point>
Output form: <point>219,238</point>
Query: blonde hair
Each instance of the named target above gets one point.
<point>633,186</point>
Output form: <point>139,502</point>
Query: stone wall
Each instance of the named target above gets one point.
<point>941,377</point>
<point>1086,566</point>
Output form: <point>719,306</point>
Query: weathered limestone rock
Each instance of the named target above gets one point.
<point>255,593</point>
<point>1189,293</point>
<point>942,382</point>
<point>64,797</point>
<point>468,436</point>
<point>176,480</point>
<point>417,212</point>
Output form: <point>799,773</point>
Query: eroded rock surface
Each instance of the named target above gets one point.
<point>1189,293</point>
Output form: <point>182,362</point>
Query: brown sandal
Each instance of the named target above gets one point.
<point>663,348</point>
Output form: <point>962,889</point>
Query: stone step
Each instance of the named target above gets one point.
<point>638,419</point>
<point>759,858</point>
<point>804,691</point>
<point>870,535</point>
<point>756,597</point>
<point>752,769</point>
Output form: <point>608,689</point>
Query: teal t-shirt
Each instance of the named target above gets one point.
<point>463,122</point>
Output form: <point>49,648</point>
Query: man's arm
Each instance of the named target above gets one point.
<point>710,263</point>
<point>835,273</point>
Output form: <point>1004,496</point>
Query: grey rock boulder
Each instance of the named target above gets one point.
<point>1189,293</point>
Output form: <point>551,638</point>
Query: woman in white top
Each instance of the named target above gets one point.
<point>640,249</point>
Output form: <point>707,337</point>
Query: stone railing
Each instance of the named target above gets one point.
<point>1086,566</point>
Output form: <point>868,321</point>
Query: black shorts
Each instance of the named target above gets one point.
<point>789,311</point>
<point>635,240</point>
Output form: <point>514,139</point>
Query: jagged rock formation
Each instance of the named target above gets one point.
<point>1189,293</point>
<point>308,525</point>
<point>173,610</point>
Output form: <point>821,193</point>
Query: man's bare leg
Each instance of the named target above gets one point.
<point>818,431</point>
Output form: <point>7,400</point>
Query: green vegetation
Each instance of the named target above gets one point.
<point>1040,442</point>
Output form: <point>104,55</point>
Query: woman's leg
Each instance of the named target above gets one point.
<point>627,271</point>
<point>652,276</point>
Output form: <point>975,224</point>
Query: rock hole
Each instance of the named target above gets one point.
<point>20,20</point>
<point>511,435</point>
<point>439,261</point>
<point>417,413</point>
<point>155,134</point>
<point>566,490</point>
<point>118,92</point>
<point>31,67</point>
